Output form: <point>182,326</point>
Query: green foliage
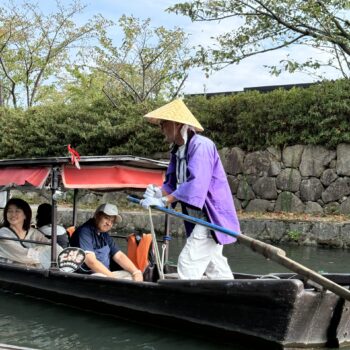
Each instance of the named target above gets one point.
<point>254,27</point>
<point>318,115</point>
<point>94,129</point>
<point>35,47</point>
<point>252,120</point>
<point>294,235</point>
<point>150,63</point>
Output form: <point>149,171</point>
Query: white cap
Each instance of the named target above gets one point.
<point>109,209</point>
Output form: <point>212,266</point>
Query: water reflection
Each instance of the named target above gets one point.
<point>40,325</point>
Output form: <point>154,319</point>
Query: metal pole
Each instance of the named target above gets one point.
<point>54,187</point>
<point>75,212</point>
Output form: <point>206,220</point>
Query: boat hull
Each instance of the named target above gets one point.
<point>278,312</point>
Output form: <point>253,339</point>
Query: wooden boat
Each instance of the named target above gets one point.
<point>285,310</point>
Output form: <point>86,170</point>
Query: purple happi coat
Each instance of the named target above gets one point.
<point>206,186</point>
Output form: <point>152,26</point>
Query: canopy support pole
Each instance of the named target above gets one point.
<point>75,208</point>
<point>54,187</point>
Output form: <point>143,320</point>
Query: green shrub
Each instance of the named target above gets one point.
<point>251,120</point>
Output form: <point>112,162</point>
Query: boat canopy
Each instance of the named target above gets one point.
<point>96,173</point>
<point>109,177</point>
<point>23,177</point>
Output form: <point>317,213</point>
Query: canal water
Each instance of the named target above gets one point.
<point>36,324</point>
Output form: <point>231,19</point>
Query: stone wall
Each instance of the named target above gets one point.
<point>311,233</point>
<point>300,179</point>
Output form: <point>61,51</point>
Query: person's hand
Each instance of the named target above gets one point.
<point>137,276</point>
<point>153,191</point>
<point>151,201</point>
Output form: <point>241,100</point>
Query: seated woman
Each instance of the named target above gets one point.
<point>100,247</point>
<point>17,220</point>
<point>43,223</point>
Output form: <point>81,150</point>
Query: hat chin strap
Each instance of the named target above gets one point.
<point>184,132</point>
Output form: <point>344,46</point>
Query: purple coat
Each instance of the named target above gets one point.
<point>206,186</point>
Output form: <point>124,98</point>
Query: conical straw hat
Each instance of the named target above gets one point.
<point>175,111</point>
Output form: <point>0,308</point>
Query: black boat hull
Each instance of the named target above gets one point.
<point>280,312</point>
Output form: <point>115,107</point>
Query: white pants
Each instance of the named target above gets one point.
<point>201,254</point>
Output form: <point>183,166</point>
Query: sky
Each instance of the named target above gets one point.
<point>249,73</point>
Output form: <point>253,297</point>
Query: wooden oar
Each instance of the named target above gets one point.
<point>267,250</point>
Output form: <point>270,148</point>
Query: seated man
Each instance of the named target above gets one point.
<point>99,246</point>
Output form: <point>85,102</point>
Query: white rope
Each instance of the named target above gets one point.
<point>155,245</point>
<point>163,255</point>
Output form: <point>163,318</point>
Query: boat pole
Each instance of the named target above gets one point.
<point>267,250</point>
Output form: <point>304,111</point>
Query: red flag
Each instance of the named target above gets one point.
<point>75,156</point>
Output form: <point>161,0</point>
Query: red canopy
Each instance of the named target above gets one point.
<point>11,177</point>
<point>103,177</point>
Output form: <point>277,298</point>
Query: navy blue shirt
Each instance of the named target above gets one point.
<point>88,238</point>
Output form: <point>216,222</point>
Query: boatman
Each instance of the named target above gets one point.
<point>197,180</point>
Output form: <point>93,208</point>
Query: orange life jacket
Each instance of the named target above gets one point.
<point>138,251</point>
<point>71,230</point>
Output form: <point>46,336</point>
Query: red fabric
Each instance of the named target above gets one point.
<point>110,177</point>
<point>23,176</point>
<point>75,156</point>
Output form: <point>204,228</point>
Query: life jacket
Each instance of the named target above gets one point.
<point>139,250</point>
<point>70,231</point>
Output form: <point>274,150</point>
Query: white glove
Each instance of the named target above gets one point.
<point>151,201</point>
<point>153,191</point>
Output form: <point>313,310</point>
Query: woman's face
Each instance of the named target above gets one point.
<point>15,216</point>
<point>104,222</point>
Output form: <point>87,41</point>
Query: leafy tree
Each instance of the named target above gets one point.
<point>34,47</point>
<point>270,25</point>
<point>150,62</point>
<point>93,129</point>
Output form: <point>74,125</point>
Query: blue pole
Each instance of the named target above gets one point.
<point>189,218</point>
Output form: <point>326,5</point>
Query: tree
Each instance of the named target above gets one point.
<point>270,25</point>
<point>150,62</point>
<point>34,47</point>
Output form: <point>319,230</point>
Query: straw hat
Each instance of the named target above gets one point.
<point>175,111</point>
